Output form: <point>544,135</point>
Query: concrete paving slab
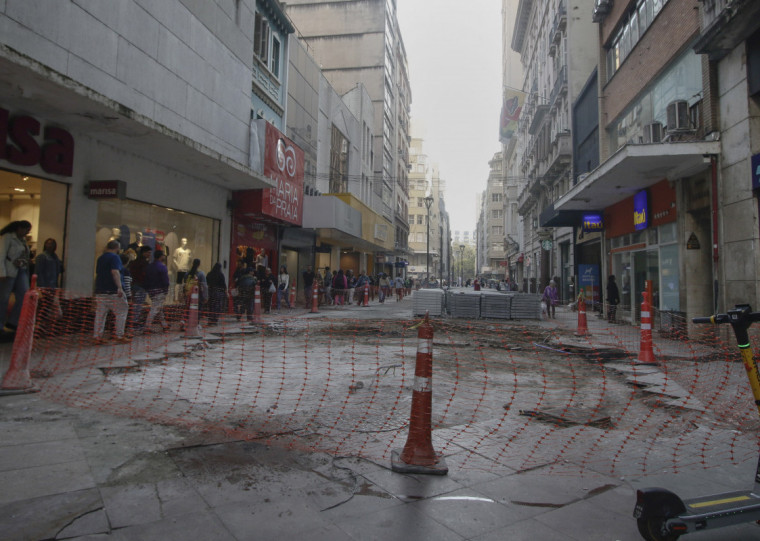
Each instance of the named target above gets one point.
<point>45,453</point>
<point>273,518</point>
<point>467,512</point>
<point>524,530</point>
<point>192,527</point>
<point>45,480</point>
<point>24,432</point>
<point>44,517</point>
<point>401,522</point>
<point>595,526</point>
<point>93,523</point>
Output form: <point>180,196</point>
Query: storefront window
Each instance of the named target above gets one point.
<point>183,236</point>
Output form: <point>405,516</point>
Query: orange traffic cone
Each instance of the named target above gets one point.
<point>646,349</point>
<point>193,329</point>
<point>315,299</point>
<point>17,379</point>
<point>257,304</point>
<point>366,295</point>
<point>418,455</point>
<point>582,323</point>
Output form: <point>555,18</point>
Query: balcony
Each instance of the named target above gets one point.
<point>560,86</point>
<point>538,118</point>
<point>559,25</point>
<point>726,24</point>
<point>559,156</point>
<point>602,8</point>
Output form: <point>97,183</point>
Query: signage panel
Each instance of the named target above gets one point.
<point>641,210</point>
<point>283,162</point>
<point>592,222</point>
<point>106,189</point>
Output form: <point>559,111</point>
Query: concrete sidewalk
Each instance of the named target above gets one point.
<point>69,473</point>
<point>78,474</point>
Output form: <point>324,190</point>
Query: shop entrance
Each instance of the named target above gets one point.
<point>43,203</point>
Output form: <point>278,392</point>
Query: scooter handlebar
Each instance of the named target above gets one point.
<point>703,320</point>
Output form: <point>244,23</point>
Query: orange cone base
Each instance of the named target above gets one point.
<point>646,357</point>
<point>399,466</point>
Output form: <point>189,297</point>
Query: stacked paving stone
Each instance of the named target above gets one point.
<point>526,306</point>
<point>496,305</point>
<point>465,304</point>
<point>428,300</point>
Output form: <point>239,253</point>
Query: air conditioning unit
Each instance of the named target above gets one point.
<point>678,116</point>
<point>653,133</point>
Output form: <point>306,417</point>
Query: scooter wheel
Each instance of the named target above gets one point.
<point>651,529</point>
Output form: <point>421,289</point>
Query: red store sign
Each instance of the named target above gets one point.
<point>284,163</point>
<point>20,144</point>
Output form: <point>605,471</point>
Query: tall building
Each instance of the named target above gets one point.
<point>492,230</point>
<point>359,41</point>
<point>512,146</point>
<point>557,44</point>
<point>657,196</point>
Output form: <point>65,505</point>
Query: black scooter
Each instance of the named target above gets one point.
<point>660,514</point>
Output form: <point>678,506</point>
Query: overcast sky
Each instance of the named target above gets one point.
<point>454,54</point>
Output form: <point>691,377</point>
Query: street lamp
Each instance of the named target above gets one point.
<point>461,264</point>
<point>428,201</point>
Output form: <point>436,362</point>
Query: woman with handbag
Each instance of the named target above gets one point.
<point>268,290</point>
<point>14,271</point>
<point>282,287</point>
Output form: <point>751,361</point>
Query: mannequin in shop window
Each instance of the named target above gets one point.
<point>138,243</point>
<point>116,235</point>
<point>182,258</point>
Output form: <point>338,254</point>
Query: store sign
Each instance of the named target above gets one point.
<point>106,189</point>
<point>592,223</point>
<point>20,144</point>
<point>284,163</point>
<point>641,210</point>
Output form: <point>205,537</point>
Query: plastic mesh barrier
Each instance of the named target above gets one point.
<point>506,393</point>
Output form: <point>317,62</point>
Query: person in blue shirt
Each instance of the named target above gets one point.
<point>157,286</point>
<point>109,293</point>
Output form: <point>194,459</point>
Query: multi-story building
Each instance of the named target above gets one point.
<point>512,148</point>
<point>492,231</point>
<point>730,44</point>
<point>360,42</point>
<point>558,49</point>
<point>136,124</point>
<point>657,192</point>
<point>427,206</point>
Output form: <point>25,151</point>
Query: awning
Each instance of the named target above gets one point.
<point>635,167</point>
<point>551,217</point>
<point>337,222</point>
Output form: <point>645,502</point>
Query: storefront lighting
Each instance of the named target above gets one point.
<point>24,178</point>
<point>19,189</point>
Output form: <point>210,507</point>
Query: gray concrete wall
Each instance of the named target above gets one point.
<point>184,64</point>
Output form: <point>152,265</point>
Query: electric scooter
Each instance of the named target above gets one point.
<point>660,514</point>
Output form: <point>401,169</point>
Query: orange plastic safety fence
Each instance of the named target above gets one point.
<point>522,393</point>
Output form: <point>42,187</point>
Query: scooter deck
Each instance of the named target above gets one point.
<point>716,503</point>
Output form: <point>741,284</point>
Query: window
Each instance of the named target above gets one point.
<point>275,65</point>
<point>261,38</point>
<point>497,230</point>
<point>632,30</point>
<point>338,162</point>
<point>496,197</point>
<point>497,213</point>
<point>419,202</point>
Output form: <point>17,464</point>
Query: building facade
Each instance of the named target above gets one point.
<point>558,50</point>
<point>136,138</point>
<point>360,42</point>
<point>656,191</point>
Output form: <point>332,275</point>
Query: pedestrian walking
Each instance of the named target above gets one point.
<point>14,271</point>
<point>308,285</point>
<point>551,298</point>
<point>217,293</point>
<point>613,299</point>
<point>157,287</point>
<point>109,293</point>
<point>283,287</point>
